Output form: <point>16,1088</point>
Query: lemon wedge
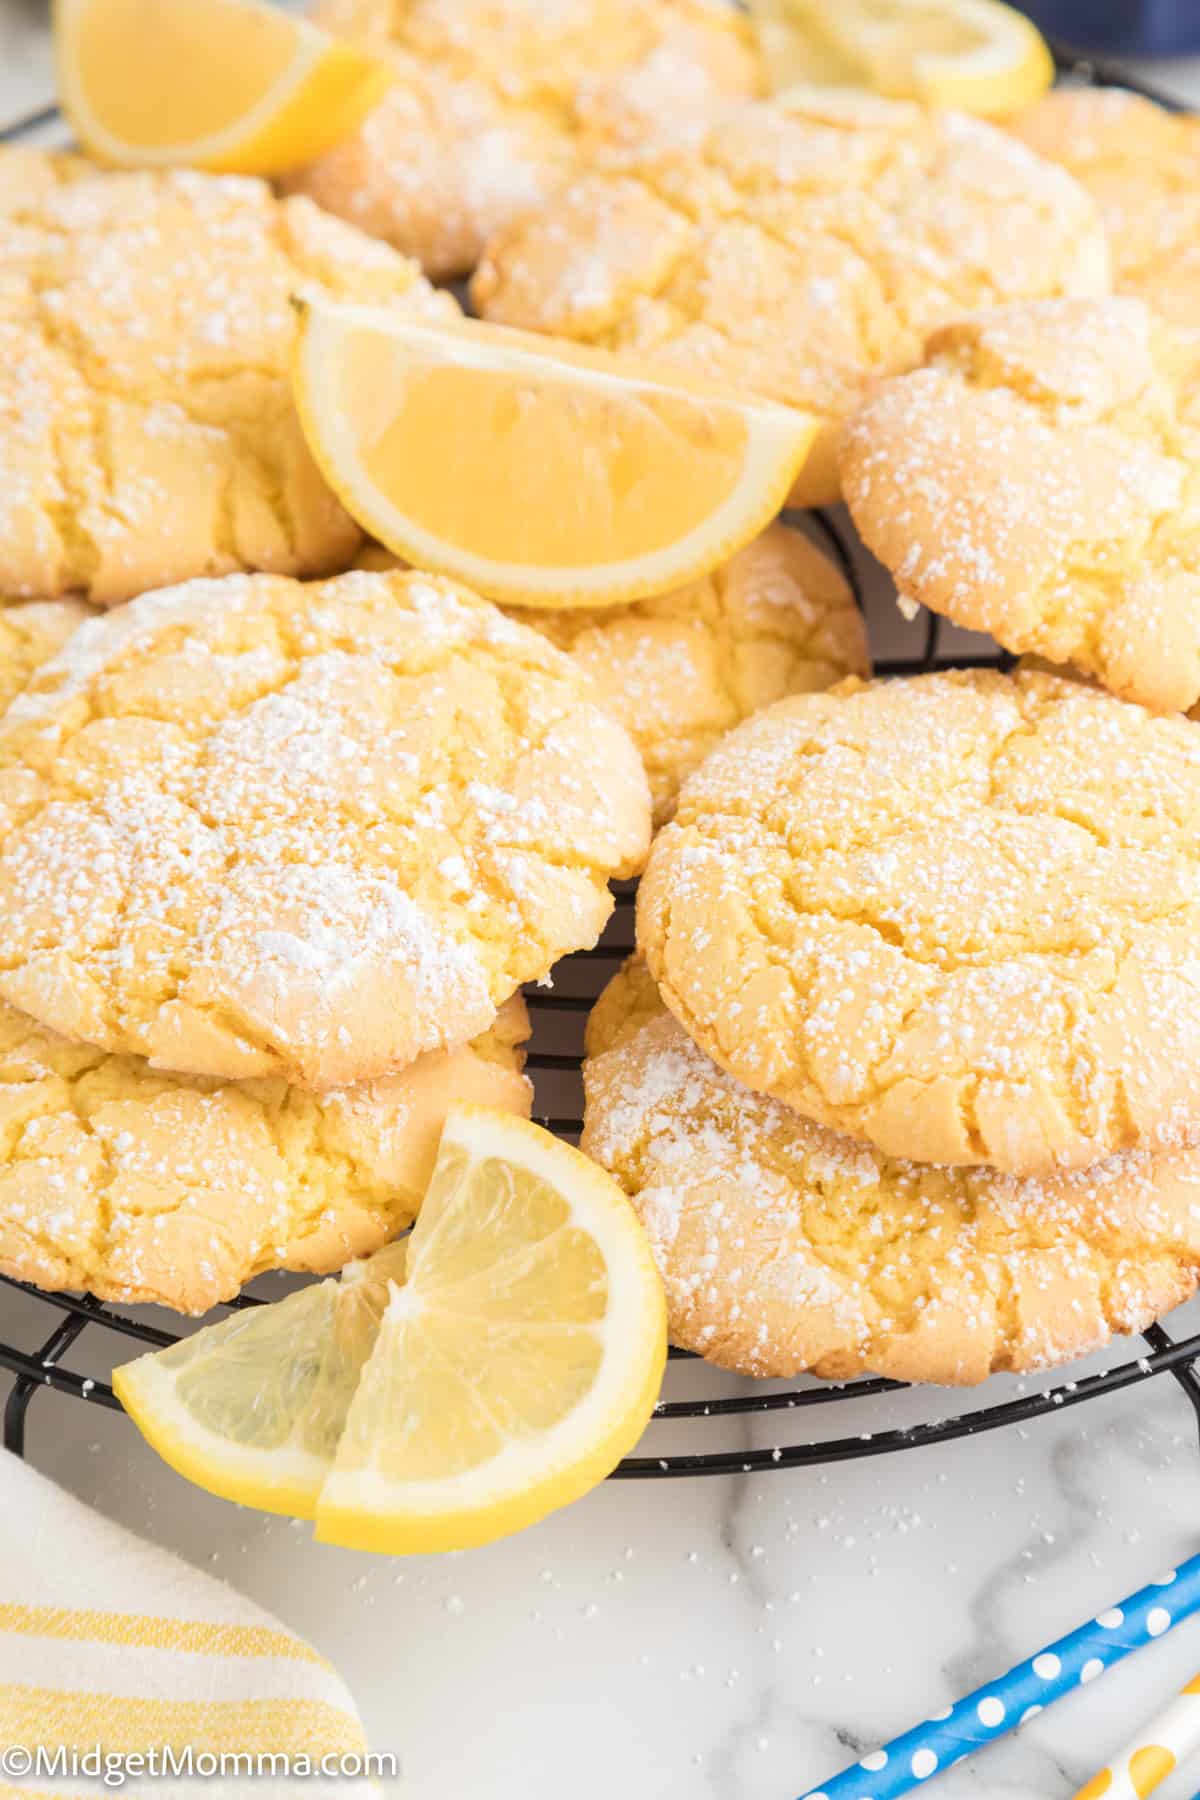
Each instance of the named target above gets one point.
<point>454,1387</point>
<point>519,1362</point>
<point>252,1408</point>
<point>979,56</point>
<point>220,84</point>
<point>540,473</point>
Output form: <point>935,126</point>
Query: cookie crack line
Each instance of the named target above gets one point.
<point>786,1247</point>
<point>915,971</point>
<point>178,1190</point>
<point>99,383</point>
<point>891,931</point>
<point>157,303</point>
<point>894,268</point>
<point>1038,477</point>
<point>101,1232</point>
<point>471,806</point>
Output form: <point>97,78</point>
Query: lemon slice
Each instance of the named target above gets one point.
<point>980,56</point>
<point>539,473</point>
<point>519,1362</point>
<point>219,84</point>
<point>450,1389</point>
<point>252,1408</point>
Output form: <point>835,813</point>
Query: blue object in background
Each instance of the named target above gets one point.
<point>1005,1703</point>
<point>1121,27</point>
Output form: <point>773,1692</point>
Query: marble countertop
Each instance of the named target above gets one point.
<point>718,1639</point>
<point>723,1638</point>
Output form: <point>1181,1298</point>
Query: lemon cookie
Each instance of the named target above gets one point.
<point>806,245</point>
<point>254,827</point>
<point>143,1187</point>
<point>1142,164</point>
<point>680,670</point>
<point>786,1247</point>
<point>1039,479</point>
<point>955,915</point>
<point>32,631</point>
<point>147,430</point>
<point>496,103</point>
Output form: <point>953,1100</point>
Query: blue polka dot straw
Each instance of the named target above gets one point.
<point>1001,1705</point>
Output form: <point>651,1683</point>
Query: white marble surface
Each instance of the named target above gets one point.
<point>723,1639</point>
<point>727,1639</point>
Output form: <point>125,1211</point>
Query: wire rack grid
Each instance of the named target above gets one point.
<point>558,1013</point>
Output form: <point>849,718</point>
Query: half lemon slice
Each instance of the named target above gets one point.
<point>540,473</point>
<point>979,56</point>
<point>519,1362</point>
<point>231,85</point>
<point>252,1408</point>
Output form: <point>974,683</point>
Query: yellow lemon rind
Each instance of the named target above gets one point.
<point>323,97</point>
<point>204,1458</point>
<point>393,1532</point>
<point>940,82</point>
<point>360,1510</point>
<point>1012,67</point>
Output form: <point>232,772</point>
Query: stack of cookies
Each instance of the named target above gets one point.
<point>907,1073</point>
<point>172,1126</point>
<point>279,854</point>
<point>276,859</point>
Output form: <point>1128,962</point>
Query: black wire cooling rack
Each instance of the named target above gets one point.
<point>58,1322</point>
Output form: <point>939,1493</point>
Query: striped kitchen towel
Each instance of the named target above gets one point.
<point>121,1666</point>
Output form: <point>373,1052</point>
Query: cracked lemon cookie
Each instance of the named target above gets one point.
<point>680,670</point>
<point>1039,479</point>
<point>954,915</point>
<point>785,1246</point>
<point>144,1187</point>
<point>496,103</point>
<point>147,430</point>
<point>256,826</point>
<point>1142,164</point>
<point>804,246</point>
<point>32,631</point>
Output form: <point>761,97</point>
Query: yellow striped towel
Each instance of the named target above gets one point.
<point>113,1650</point>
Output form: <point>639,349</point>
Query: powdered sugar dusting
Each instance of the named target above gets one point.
<point>786,1247</point>
<point>801,247</point>
<point>141,1187</point>
<point>497,103</point>
<point>680,669</point>
<point>256,826</point>
<point>1035,481</point>
<point>955,915</point>
<point>146,420</point>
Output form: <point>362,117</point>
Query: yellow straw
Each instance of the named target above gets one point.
<point>1156,1752</point>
